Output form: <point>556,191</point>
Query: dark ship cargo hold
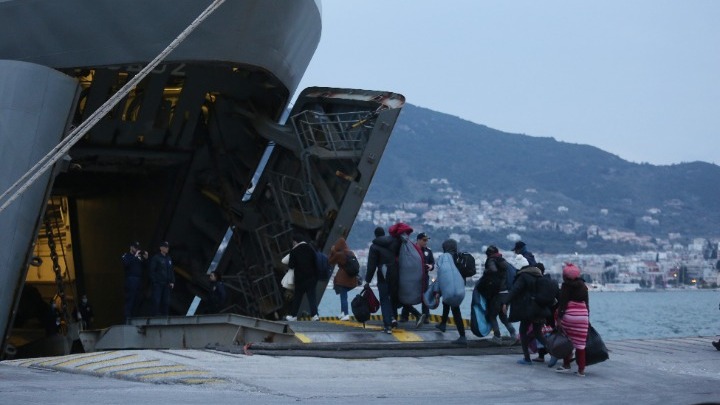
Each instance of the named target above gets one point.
<point>204,152</point>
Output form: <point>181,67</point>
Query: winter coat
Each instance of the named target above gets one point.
<point>338,255</point>
<point>302,260</point>
<point>522,306</point>
<point>382,252</point>
<point>572,290</point>
<point>161,269</point>
<point>494,277</point>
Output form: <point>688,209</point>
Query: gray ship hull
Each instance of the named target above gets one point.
<point>198,154</point>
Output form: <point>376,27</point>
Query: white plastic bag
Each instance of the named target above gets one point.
<point>288,280</point>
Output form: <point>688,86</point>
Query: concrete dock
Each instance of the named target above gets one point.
<point>379,369</point>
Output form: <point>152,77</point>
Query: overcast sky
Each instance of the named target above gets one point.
<point>640,78</point>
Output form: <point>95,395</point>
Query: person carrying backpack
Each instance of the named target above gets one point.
<point>343,282</point>
<point>496,289</point>
<point>524,308</point>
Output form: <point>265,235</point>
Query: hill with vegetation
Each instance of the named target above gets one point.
<point>554,182</point>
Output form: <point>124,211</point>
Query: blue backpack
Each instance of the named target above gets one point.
<point>323,267</point>
<point>510,271</point>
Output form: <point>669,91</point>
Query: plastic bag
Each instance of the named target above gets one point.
<point>558,345</point>
<point>288,280</point>
<point>595,349</point>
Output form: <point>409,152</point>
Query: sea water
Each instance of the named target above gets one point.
<point>616,315</point>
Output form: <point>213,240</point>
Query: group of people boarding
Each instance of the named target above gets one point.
<point>568,311</point>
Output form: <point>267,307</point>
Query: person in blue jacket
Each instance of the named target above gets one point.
<point>520,248</point>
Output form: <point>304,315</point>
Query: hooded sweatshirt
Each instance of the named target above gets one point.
<point>338,255</point>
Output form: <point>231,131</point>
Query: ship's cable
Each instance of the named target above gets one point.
<point>42,166</point>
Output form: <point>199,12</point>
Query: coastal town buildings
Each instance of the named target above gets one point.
<point>656,262</point>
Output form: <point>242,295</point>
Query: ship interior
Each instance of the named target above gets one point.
<point>195,155</point>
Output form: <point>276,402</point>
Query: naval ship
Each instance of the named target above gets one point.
<point>208,152</point>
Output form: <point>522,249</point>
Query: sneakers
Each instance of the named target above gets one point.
<point>420,321</point>
<point>553,361</point>
<point>315,318</point>
<point>291,318</point>
<point>462,340</point>
<point>387,330</point>
<point>344,317</point>
<point>539,359</point>
<point>496,339</point>
<point>563,370</point>
<point>394,324</point>
<point>440,327</point>
<point>716,344</point>
<point>524,362</point>
<point>579,374</point>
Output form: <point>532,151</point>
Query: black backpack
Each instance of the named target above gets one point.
<point>546,291</point>
<point>465,262</point>
<point>352,266</point>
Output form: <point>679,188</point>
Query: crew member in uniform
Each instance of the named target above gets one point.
<point>133,263</point>
<point>162,278</point>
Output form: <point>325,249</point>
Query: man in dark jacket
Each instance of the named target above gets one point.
<point>495,277</point>
<point>133,264</point>
<point>521,249</point>
<point>523,307</point>
<point>381,258</point>
<point>303,261</point>
<point>162,278</point>
<point>218,295</point>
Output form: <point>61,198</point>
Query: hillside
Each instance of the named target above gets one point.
<point>660,202</point>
